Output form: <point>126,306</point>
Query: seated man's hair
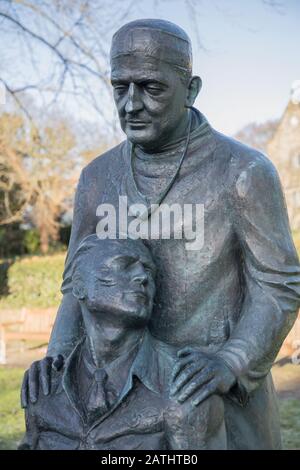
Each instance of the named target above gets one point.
<point>105,245</point>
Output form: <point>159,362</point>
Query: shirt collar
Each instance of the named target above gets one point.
<point>114,369</point>
<point>153,363</point>
<point>151,366</point>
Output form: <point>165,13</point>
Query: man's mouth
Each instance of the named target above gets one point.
<point>138,295</point>
<point>136,123</point>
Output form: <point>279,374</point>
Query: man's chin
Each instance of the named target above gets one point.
<point>137,315</point>
<point>141,138</point>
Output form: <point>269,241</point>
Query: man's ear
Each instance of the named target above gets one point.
<point>194,87</point>
<point>79,290</point>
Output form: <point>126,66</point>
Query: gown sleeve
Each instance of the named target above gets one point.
<point>271,275</point>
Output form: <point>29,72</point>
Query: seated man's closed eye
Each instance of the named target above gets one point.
<point>113,391</point>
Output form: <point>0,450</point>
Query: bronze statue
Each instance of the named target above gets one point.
<point>113,392</point>
<point>227,306</point>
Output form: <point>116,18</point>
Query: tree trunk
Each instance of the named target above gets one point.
<point>44,240</point>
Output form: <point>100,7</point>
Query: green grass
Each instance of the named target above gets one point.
<point>34,282</point>
<point>12,416</point>
<point>290,423</point>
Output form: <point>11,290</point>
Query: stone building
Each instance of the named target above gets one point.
<point>284,151</point>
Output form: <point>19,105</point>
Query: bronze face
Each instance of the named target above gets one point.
<point>118,281</point>
<point>150,96</point>
<point>151,73</point>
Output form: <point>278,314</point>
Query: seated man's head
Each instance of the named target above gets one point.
<point>114,279</point>
<point>151,73</point>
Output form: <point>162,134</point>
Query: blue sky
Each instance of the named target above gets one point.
<point>251,57</point>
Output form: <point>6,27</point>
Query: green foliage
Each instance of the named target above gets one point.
<point>4,266</point>
<point>11,241</point>
<point>15,241</point>
<point>34,282</point>
<point>64,234</point>
<point>31,241</point>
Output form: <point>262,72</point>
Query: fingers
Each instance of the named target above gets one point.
<point>197,382</point>
<point>186,355</point>
<point>187,374</point>
<point>45,374</point>
<point>183,378</point>
<point>58,362</point>
<point>24,391</point>
<point>39,372</point>
<point>33,381</point>
<point>205,392</point>
<point>180,365</point>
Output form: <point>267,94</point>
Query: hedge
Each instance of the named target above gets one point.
<point>31,281</point>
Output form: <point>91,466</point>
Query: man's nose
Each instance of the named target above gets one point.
<point>133,103</point>
<point>139,275</point>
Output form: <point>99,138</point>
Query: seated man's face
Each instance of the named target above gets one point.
<point>120,284</point>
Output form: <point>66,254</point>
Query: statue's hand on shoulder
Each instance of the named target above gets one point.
<point>197,375</point>
<point>39,373</point>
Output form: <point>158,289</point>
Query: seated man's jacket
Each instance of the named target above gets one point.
<point>143,417</point>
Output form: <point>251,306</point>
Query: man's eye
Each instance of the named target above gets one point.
<point>106,281</point>
<point>120,264</point>
<point>120,88</point>
<point>149,271</point>
<point>154,90</point>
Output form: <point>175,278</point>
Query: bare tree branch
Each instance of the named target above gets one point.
<point>14,94</point>
<point>73,33</point>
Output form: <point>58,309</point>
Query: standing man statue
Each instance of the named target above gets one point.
<point>229,304</point>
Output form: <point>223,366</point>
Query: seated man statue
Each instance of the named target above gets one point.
<point>114,389</point>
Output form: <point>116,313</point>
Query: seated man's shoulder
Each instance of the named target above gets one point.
<point>53,400</point>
